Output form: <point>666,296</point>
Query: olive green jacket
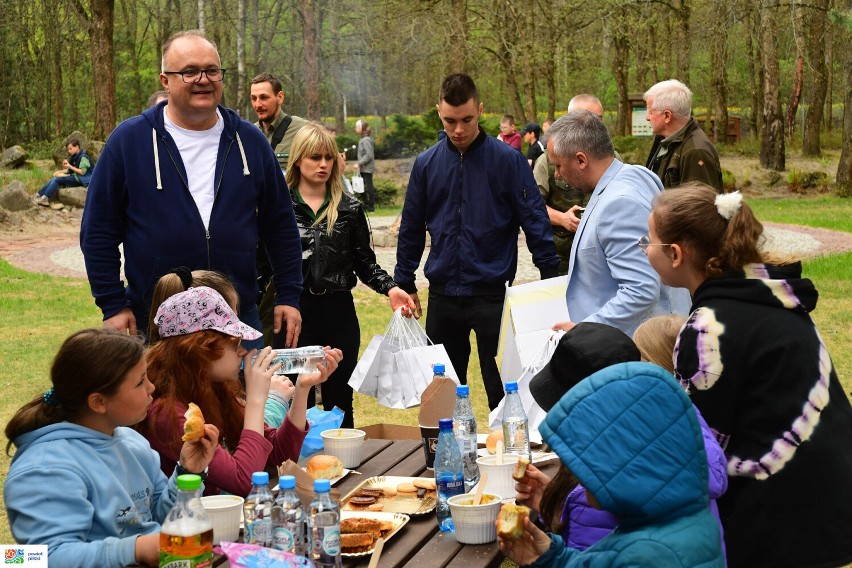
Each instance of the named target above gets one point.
<point>686,155</point>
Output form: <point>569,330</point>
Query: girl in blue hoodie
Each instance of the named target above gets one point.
<point>81,481</point>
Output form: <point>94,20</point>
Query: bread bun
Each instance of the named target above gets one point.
<point>491,441</point>
<point>193,428</point>
<point>521,469</point>
<point>324,467</point>
<point>510,521</point>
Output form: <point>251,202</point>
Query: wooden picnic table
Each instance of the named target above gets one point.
<point>419,544</point>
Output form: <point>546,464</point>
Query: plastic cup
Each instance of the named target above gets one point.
<point>226,513</point>
<point>475,524</point>
<point>429,435</point>
<point>345,444</point>
<point>500,480</point>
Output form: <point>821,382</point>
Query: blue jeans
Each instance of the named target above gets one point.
<point>51,187</point>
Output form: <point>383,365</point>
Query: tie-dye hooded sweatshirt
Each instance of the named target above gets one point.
<point>759,372</point>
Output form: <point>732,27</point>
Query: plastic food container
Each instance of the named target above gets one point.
<point>500,479</point>
<point>226,513</point>
<point>475,524</point>
<point>345,444</point>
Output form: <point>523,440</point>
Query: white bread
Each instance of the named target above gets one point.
<point>510,522</point>
<point>324,467</point>
<point>491,441</point>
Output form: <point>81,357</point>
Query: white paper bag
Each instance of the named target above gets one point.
<point>535,414</point>
<point>376,360</point>
<point>357,184</point>
<point>414,371</point>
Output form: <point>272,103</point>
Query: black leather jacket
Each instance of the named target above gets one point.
<point>330,263</point>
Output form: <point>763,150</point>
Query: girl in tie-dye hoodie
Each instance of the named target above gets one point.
<point>759,372</point>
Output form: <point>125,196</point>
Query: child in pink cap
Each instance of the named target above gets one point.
<point>198,360</point>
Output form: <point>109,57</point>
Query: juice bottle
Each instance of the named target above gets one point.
<point>186,537</point>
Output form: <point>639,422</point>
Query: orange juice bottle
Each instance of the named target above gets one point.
<point>186,537</point>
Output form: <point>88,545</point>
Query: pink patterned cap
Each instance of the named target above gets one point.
<point>198,309</point>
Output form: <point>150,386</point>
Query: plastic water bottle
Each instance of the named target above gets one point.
<point>298,360</point>
<point>186,537</point>
<point>324,527</point>
<point>288,518</point>
<point>516,433</point>
<point>257,511</point>
<point>449,472</point>
<point>464,428</point>
<point>438,370</point>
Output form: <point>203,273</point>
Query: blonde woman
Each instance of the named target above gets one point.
<point>336,252</point>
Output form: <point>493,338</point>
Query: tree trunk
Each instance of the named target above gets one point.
<point>772,142</point>
<point>241,107</point>
<point>310,35</point>
<point>103,69</point>
<point>55,54</point>
<point>718,66</point>
<point>844,167</point>
<point>620,64</point>
<point>815,45</point>
<point>829,85</point>
<point>795,95</point>
<point>683,13</point>
<point>202,18</point>
<point>755,71</point>
<point>458,22</point>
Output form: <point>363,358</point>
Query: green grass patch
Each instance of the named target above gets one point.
<point>825,212</point>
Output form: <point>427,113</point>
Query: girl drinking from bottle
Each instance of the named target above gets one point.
<point>336,252</point>
<point>198,360</point>
<point>81,481</point>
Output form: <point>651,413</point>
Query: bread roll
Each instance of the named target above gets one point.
<point>324,467</point>
<point>520,468</point>
<point>510,521</point>
<point>193,428</point>
<point>491,441</point>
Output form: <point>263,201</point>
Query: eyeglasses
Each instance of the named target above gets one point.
<point>645,242</point>
<point>504,128</point>
<point>214,74</point>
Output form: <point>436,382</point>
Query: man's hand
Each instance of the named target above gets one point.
<point>527,549</point>
<point>418,311</point>
<point>291,318</point>
<point>569,220</point>
<point>564,326</point>
<point>124,321</point>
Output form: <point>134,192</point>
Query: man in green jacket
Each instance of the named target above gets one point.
<point>681,151</point>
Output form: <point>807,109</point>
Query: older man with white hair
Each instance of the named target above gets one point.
<point>681,151</point>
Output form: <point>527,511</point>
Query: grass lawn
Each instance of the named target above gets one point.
<point>37,312</point>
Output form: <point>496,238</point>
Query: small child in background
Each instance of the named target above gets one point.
<point>630,435</point>
<point>179,280</point>
<point>656,339</point>
<point>198,360</point>
<point>81,481</point>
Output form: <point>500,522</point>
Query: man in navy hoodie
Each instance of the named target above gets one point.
<point>189,183</point>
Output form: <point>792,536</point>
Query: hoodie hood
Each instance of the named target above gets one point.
<point>67,432</point>
<point>763,284</point>
<point>630,435</point>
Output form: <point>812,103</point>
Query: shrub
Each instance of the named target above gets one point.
<point>407,137</point>
<point>794,181</point>
<point>348,143</point>
<point>388,194</point>
<point>633,149</point>
<point>729,181</point>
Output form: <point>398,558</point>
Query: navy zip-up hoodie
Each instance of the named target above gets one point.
<point>472,205</point>
<point>139,197</point>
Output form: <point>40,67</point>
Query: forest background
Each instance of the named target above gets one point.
<point>784,67</point>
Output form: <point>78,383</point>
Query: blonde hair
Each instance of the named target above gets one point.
<point>171,283</point>
<point>313,138</point>
<point>656,339</point>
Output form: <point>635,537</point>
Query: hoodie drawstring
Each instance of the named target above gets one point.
<point>156,159</point>
<point>243,154</point>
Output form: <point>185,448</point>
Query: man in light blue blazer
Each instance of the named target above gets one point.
<point>609,278</point>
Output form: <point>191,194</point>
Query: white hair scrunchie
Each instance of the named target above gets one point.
<point>727,204</point>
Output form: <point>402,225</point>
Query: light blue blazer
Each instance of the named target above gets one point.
<point>610,280</point>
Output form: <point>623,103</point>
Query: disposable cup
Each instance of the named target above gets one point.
<point>475,524</point>
<point>226,513</point>
<point>429,436</point>
<point>345,444</point>
<point>500,479</point>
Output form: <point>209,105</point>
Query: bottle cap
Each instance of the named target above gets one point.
<point>322,485</point>
<point>438,368</point>
<point>462,390</point>
<point>287,482</point>
<point>511,387</point>
<point>445,424</point>
<point>189,482</point>
<point>260,478</point>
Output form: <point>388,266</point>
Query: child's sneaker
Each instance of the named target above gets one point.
<point>41,200</point>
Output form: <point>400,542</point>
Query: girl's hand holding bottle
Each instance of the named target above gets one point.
<point>297,414</point>
<point>532,488</point>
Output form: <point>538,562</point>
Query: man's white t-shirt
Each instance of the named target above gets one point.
<point>198,150</point>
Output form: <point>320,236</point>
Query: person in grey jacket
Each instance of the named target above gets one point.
<point>366,162</point>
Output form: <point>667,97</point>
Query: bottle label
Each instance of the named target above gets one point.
<point>282,539</point>
<point>331,542</point>
<point>450,487</point>
<point>204,560</point>
<point>259,532</point>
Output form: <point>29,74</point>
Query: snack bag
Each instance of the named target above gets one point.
<point>320,421</point>
<point>252,556</point>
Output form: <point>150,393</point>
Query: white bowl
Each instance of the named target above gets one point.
<point>500,479</point>
<point>345,444</point>
<point>226,513</point>
<point>475,524</point>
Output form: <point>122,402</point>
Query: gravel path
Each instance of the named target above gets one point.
<point>57,251</point>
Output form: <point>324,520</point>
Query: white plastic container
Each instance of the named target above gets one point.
<point>345,444</point>
<point>500,479</point>
<point>226,513</point>
<point>475,524</point>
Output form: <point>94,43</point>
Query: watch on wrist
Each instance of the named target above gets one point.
<point>180,470</point>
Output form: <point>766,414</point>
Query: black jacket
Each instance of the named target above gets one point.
<point>330,263</point>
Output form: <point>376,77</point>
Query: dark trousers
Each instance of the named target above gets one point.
<point>330,320</point>
<point>369,191</point>
<point>450,321</point>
